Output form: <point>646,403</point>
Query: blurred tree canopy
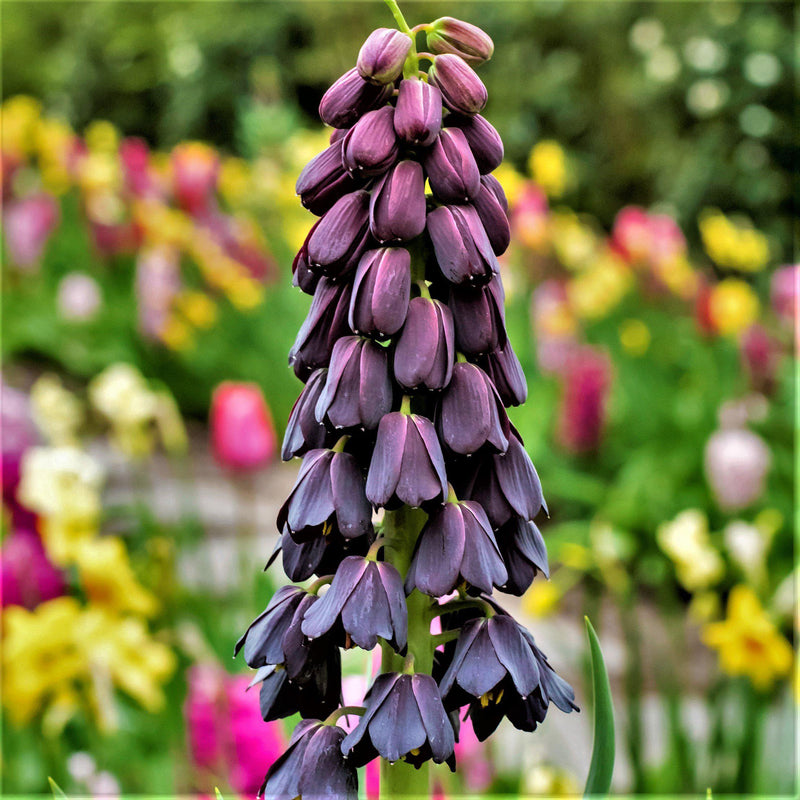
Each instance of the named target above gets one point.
<point>684,104</point>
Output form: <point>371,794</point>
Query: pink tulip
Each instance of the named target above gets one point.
<point>784,292</point>
<point>736,465</point>
<point>195,168</point>
<point>242,434</point>
<point>27,225</point>
<point>585,387</point>
<point>134,155</point>
<point>761,357</point>
<point>27,576</point>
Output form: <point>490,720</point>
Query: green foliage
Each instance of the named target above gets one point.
<point>601,767</point>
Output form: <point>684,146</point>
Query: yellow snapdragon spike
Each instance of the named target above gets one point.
<point>747,641</point>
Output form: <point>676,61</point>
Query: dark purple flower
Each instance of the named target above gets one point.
<point>462,90</point>
<point>337,241</point>
<point>281,697</point>
<point>424,355</point>
<point>312,766</point>
<point>303,432</point>
<point>337,135</point>
<point>324,180</point>
<point>418,115</point>
<point>471,413</point>
<point>462,248</point>
<point>397,208</point>
<point>381,292</point>
<point>449,35</point>
<point>484,140</point>
<point>479,317</point>
<point>370,146</point>
<point>349,98</point>
<point>456,544</point>
<point>492,208</point>
<point>524,554</point>
<point>451,168</point>
<point>503,367</point>
<point>404,719</point>
<point>325,323</point>
<point>303,277</point>
<point>407,463</point>
<point>358,391</point>
<point>382,56</point>
<point>328,494</point>
<point>366,601</point>
<point>506,484</point>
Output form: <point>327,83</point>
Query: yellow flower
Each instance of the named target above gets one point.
<point>574,241</point>
<point>597,290</point>
<point>634,336</point>
<point>234,180</point>
<point>733,246</point>
<point>549,781</point>
<point>678,275</point>
<point>245,293</point>
<point>108,580</point>
<point>686,541</point>
<point>548,167</point>
<point>177,335</point>
<point>57,412</point>
<point>704,606</point>
<point>20,115</point>
<point>102,136</point>
<point>748,642</point>
<point>542,598</point>
<point>733,306</point>
<point>198,308</point>
<point>512,182</point>
<point>170,424</point>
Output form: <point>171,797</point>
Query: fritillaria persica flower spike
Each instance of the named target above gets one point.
<point>415,498</point>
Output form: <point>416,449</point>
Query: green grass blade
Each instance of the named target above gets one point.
<point>602,767</point>
<point>55,788</point>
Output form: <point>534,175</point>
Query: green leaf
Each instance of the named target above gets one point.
<point>602,767</point>
<point>218,793</point>
<point>55,788</point>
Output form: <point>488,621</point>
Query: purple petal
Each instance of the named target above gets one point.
<point>514,654</point>
<point>353,512</point>
<point>387,458</point>
<point>321,617</point>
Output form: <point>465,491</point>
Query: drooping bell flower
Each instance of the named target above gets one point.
<point>463,251</point>
<point>524,554</point>
<point>404,719</point>
<point>381,292</point>
<point>407,463</point>
<point>424,354</point>
<point>351,97</point>
<point>471,413</point>
<point>462,90</point>
<point>27,226</point>
<point>337,241</point>
<point>456,545</point>
<point>312,766</point>
<point>328,493</point>
<point>242,432</point>
<point>382,56</point>
<point>303,431</point>
<point>505,484</point>
<point>324,180</point>
<point>366,601</point>
<point>503,367</point>
<point>492,208</point>
<point>451,168</point>
<point>467,41</point>
<point>397,208</point>
<point>484,140</point>
<point>479,317</point>
<point>195,170</point>
<point>370,146</point>
<point>303,277</point>
<point>358,390</point>
<point>325,323</point>
<point>418,115</point>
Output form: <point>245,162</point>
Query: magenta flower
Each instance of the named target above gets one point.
<point>586,383</point>
<point>242,434</point>
<point>18,434</point>
<point>27,225</point>
<point>27,575</point>
<point>195,168</point>
<point>761,357</point>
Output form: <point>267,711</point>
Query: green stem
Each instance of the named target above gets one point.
<point>401,528</point>
<point>753,718</point>
<point>398,16</point>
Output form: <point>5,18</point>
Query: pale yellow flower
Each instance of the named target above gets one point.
<point>170,423</point>
<point>634,336</point>
<point>19,116</point>
<point>102,136</point>
<point>733,306</point>
<point>548,167</point>
<point>599,289</point>
<point>733,246</point>
<point>686,541</point>
<point>512,182</point>
<point>56,411</point>
<point>197,307</point>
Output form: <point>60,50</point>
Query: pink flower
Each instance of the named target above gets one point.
<point>134,156</point>
<point>27,226</point>
<point>18,434</point>
<point>554,326</point>
<point>784,292</point>
<point>473,758</point>
<point>78,296</point>
<point>242,434</point>
<point>586,382</point>
<point>736,464</point>
<point>631,234</point>
<point>158,281</point>
<point>27,576</point>
<point>761,357</point>
<point>195,168</point>
<point>529,217</point>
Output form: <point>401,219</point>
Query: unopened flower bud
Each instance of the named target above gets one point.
<point>339,238</point>
<point>370,146</point>
<point>462,248</point>
<point>484,140</point>
<point>451,168</point>
<point>491,206</point>
<point>503,367</point>
<point>303,277</point>
<point>397,208</point>
<point>418,116</point>
<point>425,350</point>
<point>449,35</point>
<point>349,98</point>
<point>479,317</point>
<point>381,292</point>
<point>382,56</point>
<point>324,180</point>
<point>462,90</point>
<point>303,432</point>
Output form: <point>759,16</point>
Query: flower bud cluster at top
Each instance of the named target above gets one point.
<point>408,373</point>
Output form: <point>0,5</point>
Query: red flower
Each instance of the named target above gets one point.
<point>242,434</point>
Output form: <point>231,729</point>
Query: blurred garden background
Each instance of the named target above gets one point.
<point>149,152</point>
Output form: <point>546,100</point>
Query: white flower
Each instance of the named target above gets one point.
<point>736,464</point>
